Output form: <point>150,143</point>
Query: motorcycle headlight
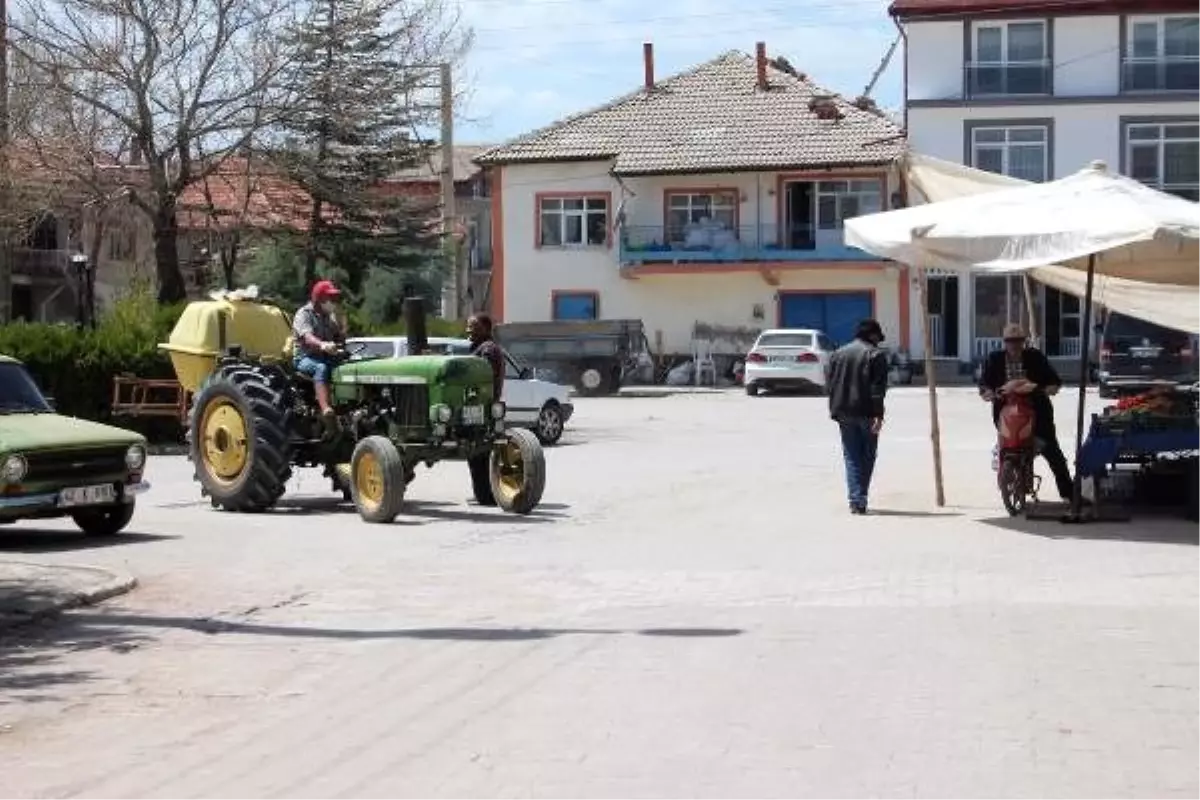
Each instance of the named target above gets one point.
<point>135,457</point>
<point>498,410</point>
<point>13,469</point>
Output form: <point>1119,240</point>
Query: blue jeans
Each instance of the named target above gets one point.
<point>859,447</point>
<point>314,367</point>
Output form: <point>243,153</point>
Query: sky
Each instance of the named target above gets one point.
<point>536,61</point>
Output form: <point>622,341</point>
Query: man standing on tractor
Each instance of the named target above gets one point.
<point>318,336</point>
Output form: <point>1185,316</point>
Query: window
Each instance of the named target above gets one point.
<point>573,222</point>
<point>1009,58</point>
<point>689,208</point>
<point>785,340</point>
<point>838,201</point>
<point>1165,156</point>
<point>1019,151</point>
<point>575,305</point>
<point>1161,54</point>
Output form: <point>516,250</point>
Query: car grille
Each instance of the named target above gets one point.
<point>72,464</point>
<point>412,405</point>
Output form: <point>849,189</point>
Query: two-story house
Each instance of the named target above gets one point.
<point>1036,89</point>
<point>711,199</point>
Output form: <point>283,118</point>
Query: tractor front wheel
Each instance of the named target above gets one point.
<point>517,471</point>
<point>377,479</point>
<point>238,441</point>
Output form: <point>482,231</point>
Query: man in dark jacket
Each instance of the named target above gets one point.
<point>1017,361</point>
<point>857,380</point>
<point>479,332</point>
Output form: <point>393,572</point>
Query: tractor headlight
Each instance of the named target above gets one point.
<point>499,426</point>
<point>13,469</point>
<point>441,413</point>
<point>135,457</point>
<point>499,410</point>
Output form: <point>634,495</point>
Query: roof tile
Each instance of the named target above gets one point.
<point>714,118</point>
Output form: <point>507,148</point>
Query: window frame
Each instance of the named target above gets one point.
<point>557,295</point>
<point>1161,123</point>
<point>540,212</point>
<point>839,196</point>
<point>973,63</point>
<point>711,192</point>
<point>1160,58</point>
<point>971,145</point>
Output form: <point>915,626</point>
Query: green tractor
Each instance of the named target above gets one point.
<point>253,418</point>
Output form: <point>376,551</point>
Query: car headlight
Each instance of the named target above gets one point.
<point>498,410</point>
<point>135,457</point>
<point>13,469</point>
<point>440,413</point>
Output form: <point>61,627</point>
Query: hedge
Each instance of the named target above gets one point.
<point>77,367</point>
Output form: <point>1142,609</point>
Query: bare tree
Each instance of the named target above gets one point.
<point>177,77</point>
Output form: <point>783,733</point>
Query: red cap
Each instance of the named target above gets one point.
<point>323,289</point>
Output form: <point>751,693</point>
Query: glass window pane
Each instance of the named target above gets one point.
<point>988,135</point>
<point>1069,303</point>
<point>990,159</point>
<point>988,44</point>
<point>551,230</point>
<point>680,200</point>
<point>573,204</point>
<point>597,204</point>
<point>677,221</point>
<point>1143,40</point>
<point>723,217</point>
<point>1070,327</point>
<point>1182,131</point>
<point>1181,36</point>
<point>597,228</point>
<point>551,204</point>
<point>832,186</point>
<point>870,203</point>
<point>1027,162</point>
<point>1027,135</point>
<point>1143,162</point>
<point>1145,132</point>
<point>827,212</point>
<point>1026,41</point>
<point>574,229</point>
<point>1181,162</point>
<point>849,206</point>
<point>724,199</point>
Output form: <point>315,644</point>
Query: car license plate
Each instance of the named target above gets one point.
<point>86,495</point>
<point>472,415</point>
<point>778,359</point>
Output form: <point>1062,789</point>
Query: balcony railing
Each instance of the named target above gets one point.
<point>1168,74</point>
<point>1020,78</point>
<point>641,244</point>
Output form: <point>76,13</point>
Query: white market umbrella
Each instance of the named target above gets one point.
<point>1093,220</point>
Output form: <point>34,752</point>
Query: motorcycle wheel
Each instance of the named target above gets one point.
<point>1013,483</point>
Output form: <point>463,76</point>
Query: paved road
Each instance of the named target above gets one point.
<point>692,613</point>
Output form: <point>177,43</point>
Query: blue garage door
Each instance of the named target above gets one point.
<point>837,313</point>
<point>575,305</point>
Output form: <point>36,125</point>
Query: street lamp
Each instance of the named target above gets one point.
<point>80,263</point>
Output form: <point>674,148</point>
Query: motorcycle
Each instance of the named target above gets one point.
<point>1016,446</point>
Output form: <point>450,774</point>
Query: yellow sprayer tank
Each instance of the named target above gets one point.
<point>206,328</point>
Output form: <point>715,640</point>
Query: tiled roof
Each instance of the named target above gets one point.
<point>713,118</point>
<point>247,194</point>
<point>431,169</point>
<point>922,8</point>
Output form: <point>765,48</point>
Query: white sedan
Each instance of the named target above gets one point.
<point>540,406</point>
<point>787,358</point>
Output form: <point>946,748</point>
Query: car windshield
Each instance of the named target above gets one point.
<point>785,340</point>
<point>373,349</point>
<point>18,393</point>
<point>1124,332</point>
<point>450,348</point>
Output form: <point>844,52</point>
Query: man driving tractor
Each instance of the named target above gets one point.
<point>318,336</point>
<point>1026,370</point>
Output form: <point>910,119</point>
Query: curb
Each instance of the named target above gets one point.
<point>111,585</point>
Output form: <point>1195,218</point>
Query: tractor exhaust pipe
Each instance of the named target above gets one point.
<point>414,325</point>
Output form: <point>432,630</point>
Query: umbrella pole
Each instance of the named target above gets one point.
<point>1030,309</point>
<point>1085,347</point>
<point>935,428</point>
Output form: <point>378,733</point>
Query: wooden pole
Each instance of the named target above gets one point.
<point>935,428</point>
<point>454,291</point>
<point>1030,308</point>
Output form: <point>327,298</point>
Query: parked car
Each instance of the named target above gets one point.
<point>787,358</point>
<point>540,406</point>
<point>55,466</point>
<point>1135,354</point>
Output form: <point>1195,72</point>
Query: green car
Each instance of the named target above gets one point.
<point>56,466</point>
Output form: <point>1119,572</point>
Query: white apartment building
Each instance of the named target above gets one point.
<point>1036,89</point>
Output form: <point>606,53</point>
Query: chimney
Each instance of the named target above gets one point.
<point>760,63</point>
<point>648,61</point>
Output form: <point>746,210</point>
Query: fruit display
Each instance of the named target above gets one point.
<point>1163,408</point>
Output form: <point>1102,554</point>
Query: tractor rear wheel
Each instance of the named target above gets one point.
<point>377,479</point>
<point>518,471</point>
<point>238,440</point>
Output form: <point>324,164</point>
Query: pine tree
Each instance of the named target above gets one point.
<point>352,125</point>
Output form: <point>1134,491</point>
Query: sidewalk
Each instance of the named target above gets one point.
<point>30,591</point>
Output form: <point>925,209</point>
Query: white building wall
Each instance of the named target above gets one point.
<point>935,53</point>
<point>669,305</point>
<point>1087,56</point>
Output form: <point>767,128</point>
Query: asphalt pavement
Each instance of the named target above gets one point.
<point>691,612</point>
